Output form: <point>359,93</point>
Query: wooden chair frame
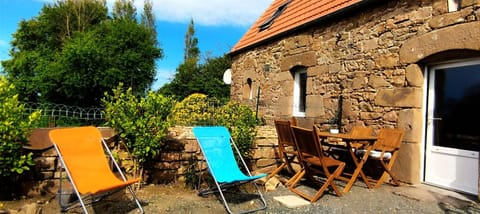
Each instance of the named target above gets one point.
<point>286,148</point>
<point>388,145</point>
<point>313,161</point>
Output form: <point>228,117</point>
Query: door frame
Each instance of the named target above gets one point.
<point>426,84</point>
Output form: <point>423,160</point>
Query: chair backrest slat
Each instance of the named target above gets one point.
<point>360,131</point>
<point>389,140</point>
<point>284,133</point>
<point>307,143</point>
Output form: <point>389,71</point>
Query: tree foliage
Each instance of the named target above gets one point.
<point>72,52</point>
<point>148,19</point>
<point>191,77</point>
<point>191,51</point>
<point>205,78</point>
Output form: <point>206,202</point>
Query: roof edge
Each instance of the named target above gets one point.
<point>325,18</point>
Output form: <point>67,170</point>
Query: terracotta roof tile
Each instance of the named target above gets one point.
<point>296,14</point>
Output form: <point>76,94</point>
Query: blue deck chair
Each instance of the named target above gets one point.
<point>215,143</point>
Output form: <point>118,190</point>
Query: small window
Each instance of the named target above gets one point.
<point>247,90</point>
<point>453,5</point>
<point>300,92</point>
<point>267,23</point>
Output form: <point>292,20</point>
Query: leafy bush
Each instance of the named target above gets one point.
<point>140,123</point>
<point>241,122</point>
<point>15,127</point>
<point>193,110</point>
<point>198,109</point>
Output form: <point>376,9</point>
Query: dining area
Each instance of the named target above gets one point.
<point>332,162</point>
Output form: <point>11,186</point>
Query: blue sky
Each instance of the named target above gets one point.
<point>219,25</point>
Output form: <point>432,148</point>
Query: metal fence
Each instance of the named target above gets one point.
<point>53,115</point>
<point>59,114</point>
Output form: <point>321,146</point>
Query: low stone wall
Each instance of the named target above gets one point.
<point>182,153</point>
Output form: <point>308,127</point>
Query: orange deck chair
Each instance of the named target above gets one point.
<point>83,154</point>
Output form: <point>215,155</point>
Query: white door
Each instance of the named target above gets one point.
<point>453,126</point>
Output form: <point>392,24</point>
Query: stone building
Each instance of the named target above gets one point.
<point>410,64</point>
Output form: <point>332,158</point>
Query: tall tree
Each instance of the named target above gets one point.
<point>205,78</point>
<point>72,53</point>
<point>124,9</point>
<point>192,77</point>
<point>191,50</point>
<point>148,18</point>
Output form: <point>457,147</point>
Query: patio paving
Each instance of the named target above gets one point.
<point>175,198</point>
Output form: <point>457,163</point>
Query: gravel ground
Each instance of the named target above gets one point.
<point>176,198</point>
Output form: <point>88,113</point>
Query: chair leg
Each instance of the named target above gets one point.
<point>292,179</point>
<point>322,190</point>
<point>296,178</point>
<point>277,170</point>
<point>328,183</point>
<point>289,165</point>
<point>335,175</point>
<point>137,202</point>
<point>282,166</point>
<point>387,171</point>
<point>292,187</point>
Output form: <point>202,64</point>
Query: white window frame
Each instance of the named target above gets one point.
<point>296,93</point>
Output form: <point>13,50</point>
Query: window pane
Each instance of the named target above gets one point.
<point>457,97</point>
<point>303,92</point>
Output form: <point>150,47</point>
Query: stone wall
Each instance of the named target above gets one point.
<point>374,58</point>
<point>171,166</point>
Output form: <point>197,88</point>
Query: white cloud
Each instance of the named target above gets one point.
<point>209,13</point>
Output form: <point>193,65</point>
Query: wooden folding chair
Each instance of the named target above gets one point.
<point>314,163</point>
<point>83,154</point>
<point>286,147</point>
<point>360,131</point>
<point>385,150</point>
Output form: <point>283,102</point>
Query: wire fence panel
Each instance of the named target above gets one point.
<point>63,115</point>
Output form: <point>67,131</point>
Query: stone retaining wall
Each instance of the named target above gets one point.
<point>171,166</point>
